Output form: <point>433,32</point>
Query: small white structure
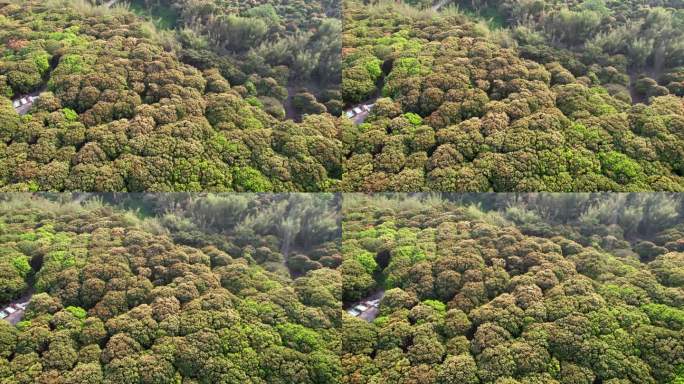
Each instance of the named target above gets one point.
<point>3,314</point>
<point>360,111</point>
<point>23,104</point>
<point>374,303</point>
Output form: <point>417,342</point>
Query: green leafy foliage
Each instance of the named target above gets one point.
<point>273,42</point>
<point>515,288</point>
<point>126,107</point>
<point>541,105</point>
<point>166,288</point>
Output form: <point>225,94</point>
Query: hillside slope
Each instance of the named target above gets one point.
<point>476,294</point>
<point>118,111</point>
<point>121,299</point>
<point>462,108</point>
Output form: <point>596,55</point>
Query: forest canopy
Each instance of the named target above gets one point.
<point>262,288</point>
<point>293,45</point>
<point>247,96</point>
<point>507,288</point>
<point>121,108</point>
<point>515,96</point>
<point>135,289</point>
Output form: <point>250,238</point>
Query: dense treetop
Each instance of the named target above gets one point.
<point>289,43</point>
<point>466,106</point>
<point>216,95</point>
<point>118,111</point>
<point>515,289</point>
<point>634,43</point>
<point>118,299</point>
<point>288,234</point>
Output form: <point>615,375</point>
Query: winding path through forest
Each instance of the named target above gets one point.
<point>290,110</point>
<point>635,75</point>
<point>636,96</point>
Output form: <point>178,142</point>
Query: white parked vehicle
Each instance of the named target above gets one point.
<point>358,110</point>
<point>10,310</point>
<point>22,306</point>
<point>3,314</point>
<point>361,308</point>
<point>16,103</point>
<point>353,312</point>
<point>350,114</point>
